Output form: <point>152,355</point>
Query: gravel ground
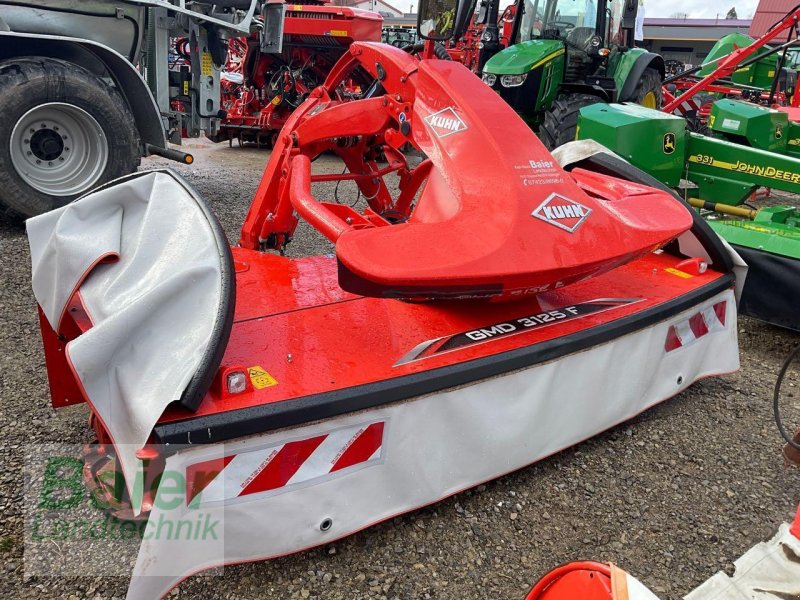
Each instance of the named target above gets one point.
<point>672,496</point>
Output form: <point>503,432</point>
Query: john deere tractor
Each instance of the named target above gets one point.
<point>563,55</point>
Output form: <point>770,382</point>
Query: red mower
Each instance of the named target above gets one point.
<point>491,309</point>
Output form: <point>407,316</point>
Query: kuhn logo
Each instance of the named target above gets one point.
<point>445,122</point>
<point>562,212</point>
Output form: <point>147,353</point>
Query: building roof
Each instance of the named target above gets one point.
<point>377,2</point>
<point>692,30</point>
<point>655,28</point>
<point>767,13</point>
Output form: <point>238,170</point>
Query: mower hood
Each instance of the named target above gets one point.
<point>503,227</point>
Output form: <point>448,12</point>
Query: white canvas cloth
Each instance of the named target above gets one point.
<point>153,307</point>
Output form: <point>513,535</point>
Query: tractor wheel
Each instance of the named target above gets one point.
<point>560,124</point>
<point>63,131</point>
<point>648,90</point>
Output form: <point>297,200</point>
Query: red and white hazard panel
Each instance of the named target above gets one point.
<point>685,107</point>
<point>284,465</point>
<point>688,331</point>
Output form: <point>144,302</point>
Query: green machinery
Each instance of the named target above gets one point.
<point>566,54</point>
<point>750,147</point>
<point>759,74</point>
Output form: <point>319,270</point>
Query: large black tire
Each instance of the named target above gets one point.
<point>648,90</point>
<point>560,123</point>
<point>38,93</point>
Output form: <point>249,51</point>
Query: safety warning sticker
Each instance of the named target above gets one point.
<point>206,64</point>
<point>260,378</point>
<point>678,272</point>
<point>282,466</point>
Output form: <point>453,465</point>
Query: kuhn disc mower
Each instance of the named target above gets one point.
<point>496,309</point>
<point>266,82</point>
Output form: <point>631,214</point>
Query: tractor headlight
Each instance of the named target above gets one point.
<point>513,80</point>
<point>489,79</point>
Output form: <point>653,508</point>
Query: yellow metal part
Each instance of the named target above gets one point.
<point>738,211</point>
<point>649,100</point>
<point>548,58</point>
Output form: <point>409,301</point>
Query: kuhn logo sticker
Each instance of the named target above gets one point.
<point>445,122</point>
<point>562,212</point>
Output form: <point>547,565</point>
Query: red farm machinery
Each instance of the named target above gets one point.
<point>739,67</point>
<point>262,85</point>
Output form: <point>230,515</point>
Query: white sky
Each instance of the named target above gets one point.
<point>698,10</point>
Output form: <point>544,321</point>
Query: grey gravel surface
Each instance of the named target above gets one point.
<point>672,496</point>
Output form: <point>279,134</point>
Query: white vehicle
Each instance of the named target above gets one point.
<point>89,88</point>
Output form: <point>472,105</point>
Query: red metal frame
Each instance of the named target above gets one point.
<point>467,49</point>
<point>455,191</point>
<point>315,37</point>
<point>728,64</point>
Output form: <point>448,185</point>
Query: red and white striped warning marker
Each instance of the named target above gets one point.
<point>283,465</point>
<point>686,107</point>
<point>688,331</point>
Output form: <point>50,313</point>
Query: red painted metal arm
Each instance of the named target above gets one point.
<point>365,117</point>
<point>318,215</point>
<point>409,186</point>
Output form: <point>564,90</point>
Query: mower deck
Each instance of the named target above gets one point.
<point>772,253</point>
<point>351,417</point>
<point>326,352</point>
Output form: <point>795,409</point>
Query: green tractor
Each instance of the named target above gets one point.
<point>563,55</point>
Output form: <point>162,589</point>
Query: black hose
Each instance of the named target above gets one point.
<point>438,50</point>
<point>776,399</point>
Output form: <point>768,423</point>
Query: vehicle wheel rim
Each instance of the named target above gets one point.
<point>59,149</point>
<point>649,100</point>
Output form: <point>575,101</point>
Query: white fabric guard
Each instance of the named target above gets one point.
<point>768,571</point>
<point>152,310</point>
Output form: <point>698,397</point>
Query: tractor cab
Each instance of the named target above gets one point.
<point>564,54</point>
